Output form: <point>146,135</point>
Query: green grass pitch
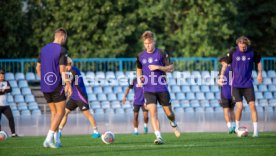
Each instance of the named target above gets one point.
<point>193,144</point>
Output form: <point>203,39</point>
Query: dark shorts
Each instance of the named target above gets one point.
<point>73,104</point>
<point>247,93</point>
<point>226,103</point>
<point>57,95</point>
<point>136,108</point>
<point>163,98</point>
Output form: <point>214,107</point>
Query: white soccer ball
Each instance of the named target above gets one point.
<point>242,132</point>
<point>108,137</point>
<point>3,135</point>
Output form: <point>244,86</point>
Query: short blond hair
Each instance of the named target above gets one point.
<point>244,40</point>
<point>148,35</point>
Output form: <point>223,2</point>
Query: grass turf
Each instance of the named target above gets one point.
<point>193,144</point>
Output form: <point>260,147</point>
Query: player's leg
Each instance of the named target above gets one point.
<point>1,110</point>
<point>237,97</point>
<point>146,119</point>
<point>164,100</point>
<point>250,98</point>
<point>227,119</point>
<point>93,123</point>
<point>8,113</point>
<point>64,119</point>
<point>136,109</point>
<point>232,116</point>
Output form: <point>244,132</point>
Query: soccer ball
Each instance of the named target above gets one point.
<point>108,137</point>
<point>3,135</point>
<point>242,132</point>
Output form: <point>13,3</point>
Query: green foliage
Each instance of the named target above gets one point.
<point>186,28</point>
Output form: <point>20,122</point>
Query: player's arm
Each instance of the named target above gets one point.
<point>8,89</point>
<point>168,65</point>
<point>38,68</point>
<point>257,60</point>
<point>139,72</point>
<point>62,69</point>
<point>224,65</point>
<point>127,91</point>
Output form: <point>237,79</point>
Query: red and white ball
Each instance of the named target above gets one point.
<point>242,132</point>
<point>3,135</point>
<point>108,137</point>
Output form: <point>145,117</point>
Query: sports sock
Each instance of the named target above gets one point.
<point>228,124</point>
<point>50,135</point>
<point>135,129</point>
<point>95,130</point>
<point>157,134</point>
<point>237,124</point>
<point>56,137</point>
<point>255,127</point>
<point>233,124</point>
<point>145,125</point>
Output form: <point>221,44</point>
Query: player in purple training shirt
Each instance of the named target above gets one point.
<point>51,69</point>
<point>138,103</point>
<point>242,59</point>
<point>153,64</point>
<point>226,100</point>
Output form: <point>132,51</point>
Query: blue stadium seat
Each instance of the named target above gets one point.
<point>185,89</point>
<point>95,105</point>
<point>30,76</point>
<point>272,88</point>
<point>119,74</point>
<point>120,96</point>
<point>107,89</point>
<point>268,95</point>
<point>272,102</point>
<point>90,75</point>
<point>264,74</point>
<point>177,74</point>
<point>16,91</point>
<point>267,81</point>
<point>204,103</point>
<point>205,74</point>
<point>29,98</point>
<point>219,109</point>
<point>16,113</point>
<point>116,104</point>
<point>99,111</point>
<point>111,97</point>
<point>200,96</point>
<point>178,110</point>
<point>127,105</point>
<point>195,103</point>
<point>100,75</point>
<point>26,91</point>
<point>180,96</point>
<point>128,110</point>
<point>217,95</point>
<point>259,109</point>
<point>9,76</point>
<point>186,74</point>
<point>190,96</point>
<point>262,102</point>
<point>19,76</point>
<point>19,98</point>
<point>199,110</point>
<point>259,95</point>
<point>23,83</point>
<point>185,103</point>
<point>254,74</point>
<point>37,77</point>
<point>205,88</point>
<point>92,97</point>
<point>108,111</point>
<point>195,88</point>
<point>172,81</point>
<point>13,83</point>
<point>196,74</point>
<point>189,110</point>
<point>33,106</point>
<point>172,96</point>
<point>255,88</point>
<point>22,106</point>
<point>88,90</point>
<point>175,103</point>
<point>130,96</point>
<point>97,90</point>
<point>214,103</point>
<point>274,81</point>
<point>13,106</point>
<point>210,96</point>
<point>169,75</point>
<point>176,89</point>
<point>262,88</point>
<point>111,82</point>
<point>117,89</point>
<point>131,74</point>
<point>105,104</point>
<point>110,75</point>
<point>214,88</point>
<point>10,98</point>
<point>101,97</point>
<point>271,74</point>
<point>209,109</point>
<point>119,111</point>
<point>36,112</point>
<point>25,113</point>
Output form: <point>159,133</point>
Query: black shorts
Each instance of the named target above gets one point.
<point>247,93</point>
<point>163,98</point>
<point>226,103</point>
<point>136,108</point>
<point>73,104</point>
<point>57,95</point>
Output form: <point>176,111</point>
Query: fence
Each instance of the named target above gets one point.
<point>125,64</point>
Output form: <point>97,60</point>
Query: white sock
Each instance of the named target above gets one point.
<point>255,127</point>
<point>237,124</point>
<point>233,124</point>
<point>157,134</point>
<point>228,124</point>
<point>56,138</point>
<point>96,131</point>
<point>135,130</point>
<point>50,136</point>
<point>145,125</point>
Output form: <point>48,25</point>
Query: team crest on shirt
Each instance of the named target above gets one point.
<point>238,58</point>
<point>144,61</point>
<point>155,60</point>
<point>248,58</point>
<point>150,60</point>
<point>243,58</point>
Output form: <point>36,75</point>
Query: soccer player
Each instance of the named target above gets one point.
<point>137,104</point>
<point>242,59</point>
<point>5,88</point>
<point>153,63</point>
<point>226,100</point>
<point>51,70</point>
<point>78,99</point>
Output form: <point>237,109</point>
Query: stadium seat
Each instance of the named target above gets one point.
<point>214,103</point>
<point>217,95</point>
<point>22,106</point>
<point>272,102</point>
<point>172,96</point>
<point>109,111</point>
<point>264,74</point>
<point>271,74</point>
<point>30,76</point>
<point>205,74</point>
<point>111,82</point>
<point>255,88</point>
<point>185,89</point>
<point>177,74</point>
<point>209,109</point>
<point>210,96</point>
<point>9,76</point>
<point>33,106</point>
<point>176,89</point>
<point>268,95</point>
<point>120,96</point>
<point>92,97</point>
<point>214,88</point>
<point>101,97</point>
<point>195,103</point>
<point>269,109</point>
<point>99,111</point>
<point>175,103</point>
<point>254,74</point>
<point>205,88</point>
<point>36,112</point>
<point>97,90</point>
<point>111,97</point>
<point>100,75</point>
<point>105,104</point>
<point>190,96</point>
<point>26,91</point>
<point>29,98</point>
<point>119,74</point>
<point>186,74</point>
<point>180,96</point>
<point>199,110</point>
<point>13,106</point>
<point>107,89</point>
<point>169,75</point>
<point>15,113</point>
<point>204,103</point>
<point>267,81</point>
<point>172,82</point>
<point>19,76</point>
<point>219,109</point>
<point>116,104</point>
<point>90,75</point>
<point>259,95</point>
<point>117,89</point>
<point>185,103</point>
<point>37,77</point>
<point>13,83</point>
<point>196,74</point>
<point>128,110</point>
<point>130,96</point>
<point>272,88</point>
<point>110,75</point>
<point>259,109</point>
<point>88,90</point>
<point>274,81</point>
<point>127,105</point>
<point>16,91</point>
<point>119,111</point>
<point>10,98</point>
<point>189,110</point>
<point>262,88</point>
<point>200,96</point>
<point>95,105</point>
<point>178,110</point>
<point>19,98</point>
<point>23,83</point>
<point>195,88</point>
<point>262,102</point>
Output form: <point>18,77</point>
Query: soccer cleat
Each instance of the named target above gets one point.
<point>47,144</point>
<point>59,134</point>
<point>146,130</point>
<point>14,135</point>
<point>135,133</point>
<point>231,130</point>
<point>95,135</point>
<point>158,141</point>
<point>58,144</point>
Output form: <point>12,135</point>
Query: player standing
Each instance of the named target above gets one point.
<point>51,69</point>
<point>78,99</point>
<point>138,103</point>
<point>242,59</point>
<point>153,64</point>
